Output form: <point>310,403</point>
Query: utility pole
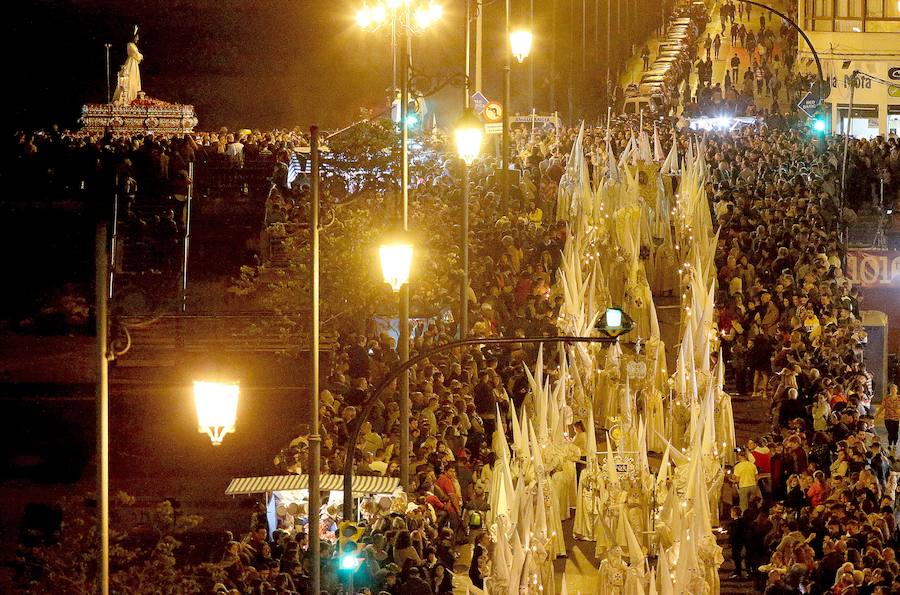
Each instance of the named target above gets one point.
<point>468,89</point>
<point>404,290</point>
<point>479,38</point>
<point>102,362</point>
<point>314,439</point>
<point>553,60</point>
<point>507,110</point>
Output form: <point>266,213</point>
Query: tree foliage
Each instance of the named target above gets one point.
<point>351,286</point>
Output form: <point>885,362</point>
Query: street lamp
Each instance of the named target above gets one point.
<point>520,43</point>
<point>396,260</point>
<point>216,404</point>
<point>469,133</point>
<point>404,17</point>
<point>614,323</point>
<point>405,24</point>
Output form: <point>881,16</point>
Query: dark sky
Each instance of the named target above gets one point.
<point>241,62</point>
<point>264,63</point>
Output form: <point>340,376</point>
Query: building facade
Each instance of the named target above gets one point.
<point>863,36</point>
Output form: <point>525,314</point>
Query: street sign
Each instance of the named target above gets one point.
<point>894,73</point>
<point>493,128</point>
<point>493,112</point>
<point>479,101</point>
<point>894,91</point>
<point>809,104</point>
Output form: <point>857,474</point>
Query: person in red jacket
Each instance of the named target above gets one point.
<point>447,482</point>
<point>818,491</point>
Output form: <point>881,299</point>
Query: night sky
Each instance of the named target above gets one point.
<point>242,63</point>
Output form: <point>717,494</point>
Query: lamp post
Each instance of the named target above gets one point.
<point>108,85</point>
<point>102,354</point>
<point>313,504</point>
<point>469,134</point>
<point>396,260</point>
<point>412,17</point>
<point>518,45</point>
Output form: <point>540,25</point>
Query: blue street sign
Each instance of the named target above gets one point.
<point>478,102</point>
<point>809,104</point>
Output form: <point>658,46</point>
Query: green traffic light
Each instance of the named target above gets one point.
<point>349,562</point>
<point>818,125</point>
<point>412,120</point>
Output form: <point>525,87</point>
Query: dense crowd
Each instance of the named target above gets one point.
<point>817,494</point>
<point>758,78</point>
<point>788,317</point>
<point>815,497</point>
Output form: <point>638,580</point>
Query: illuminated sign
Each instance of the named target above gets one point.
<point>874,268</point>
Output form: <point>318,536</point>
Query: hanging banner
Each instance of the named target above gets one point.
<point>874,268</point>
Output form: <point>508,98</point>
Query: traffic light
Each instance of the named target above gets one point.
<point>818,124</point>
<point>350,561</point>
<point>412,120</point>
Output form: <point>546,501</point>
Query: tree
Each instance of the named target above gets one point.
<point>351,286</point>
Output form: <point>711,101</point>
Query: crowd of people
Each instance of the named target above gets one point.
<point>816,509</point>
<point>791,332</point>
<point>758,75</point>
<point>814,506</point>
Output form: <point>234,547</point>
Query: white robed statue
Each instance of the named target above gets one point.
<point>129,82</point>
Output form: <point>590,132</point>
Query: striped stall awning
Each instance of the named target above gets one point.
<point>362,484</point>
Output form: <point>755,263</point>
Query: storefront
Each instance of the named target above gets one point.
<point>862,36</point>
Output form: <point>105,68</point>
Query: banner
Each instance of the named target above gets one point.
<point>874,268</point>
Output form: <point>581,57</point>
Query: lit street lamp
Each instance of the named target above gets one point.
<point>469,134</point>
<point>520,43</point>
<point>396,260</point>
<point>409,17</point>
<point>216,404</point>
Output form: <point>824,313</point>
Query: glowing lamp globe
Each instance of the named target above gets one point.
<point>614,322</point>
<point>469,133</point>
<point>613,318</point>
<point>425,16</point>
<point>396,260</point>
<point>520,42</point>
<point>364,17</point>
<point>216,404</point>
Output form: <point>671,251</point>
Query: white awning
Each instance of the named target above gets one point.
<point>362,484</point>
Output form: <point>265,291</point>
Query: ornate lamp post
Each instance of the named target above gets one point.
<point>411,17</point>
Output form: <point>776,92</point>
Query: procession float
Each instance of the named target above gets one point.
<point>131,110</point>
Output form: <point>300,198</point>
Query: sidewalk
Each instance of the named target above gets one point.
<point>634,67</point>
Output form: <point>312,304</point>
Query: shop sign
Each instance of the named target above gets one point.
<point>874,268</point>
